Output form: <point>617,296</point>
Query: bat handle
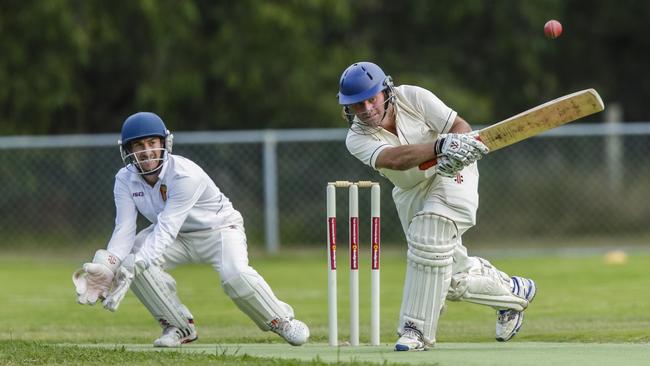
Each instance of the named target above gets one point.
<point>428,164</point>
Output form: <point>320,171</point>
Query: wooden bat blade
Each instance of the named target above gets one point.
<point>542,118</point>
<point>536,120</point>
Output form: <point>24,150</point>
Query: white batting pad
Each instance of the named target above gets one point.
<point>255,298</point>
<point>431,240</point>
<point>156,289</point>
<point>483,284</point>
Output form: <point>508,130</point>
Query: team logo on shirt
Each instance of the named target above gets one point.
<point>459,178</point>
<point>138,194</point>
<point>163,192</point>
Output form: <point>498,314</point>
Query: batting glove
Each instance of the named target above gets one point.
<point>463,148</point>
<point>448,167</point>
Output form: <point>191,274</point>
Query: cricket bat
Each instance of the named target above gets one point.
<point>537,120</point>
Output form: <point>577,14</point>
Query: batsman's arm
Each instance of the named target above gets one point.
<point>405,156</point>
<point>460,126</point>
<point>408,156</point>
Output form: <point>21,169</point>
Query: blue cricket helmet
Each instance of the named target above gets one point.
<point>140,125</point>
<point>361,81</point>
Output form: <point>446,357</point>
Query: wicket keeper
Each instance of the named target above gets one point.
<point>192,221</point>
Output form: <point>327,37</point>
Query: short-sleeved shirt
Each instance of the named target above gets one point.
<point>420,118</point>
<point>185,199</point>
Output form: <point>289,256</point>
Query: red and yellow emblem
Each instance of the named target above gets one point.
<point>163,192</point>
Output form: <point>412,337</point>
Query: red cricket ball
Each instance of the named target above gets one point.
<point>552,29</point>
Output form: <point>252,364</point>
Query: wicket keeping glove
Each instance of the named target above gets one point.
<point>93,281</point>
<point>123,279</point>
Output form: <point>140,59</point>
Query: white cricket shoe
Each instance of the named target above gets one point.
<point>174,337</point>
<point>411,339</point>
<point>295,332</point>
<point>509,321</point>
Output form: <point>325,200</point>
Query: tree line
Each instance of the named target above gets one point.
<point>83,66</point>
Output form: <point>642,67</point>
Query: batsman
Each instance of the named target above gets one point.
<point>393,129</point>
<point>192,221</point>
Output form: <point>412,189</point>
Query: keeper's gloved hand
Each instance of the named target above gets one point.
<point>123,278</point>
<point>461,148</point>
<point>93,281</point>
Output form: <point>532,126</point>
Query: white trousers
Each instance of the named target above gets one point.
<point>455,198</point>
<point>224,249</point>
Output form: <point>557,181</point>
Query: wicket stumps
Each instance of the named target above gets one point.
<point>353,189</point>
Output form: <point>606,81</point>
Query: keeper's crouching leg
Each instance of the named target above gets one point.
<point>156,289</point>
<point>254,297</point>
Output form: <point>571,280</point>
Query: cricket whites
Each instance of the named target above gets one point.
<point>534,121</point>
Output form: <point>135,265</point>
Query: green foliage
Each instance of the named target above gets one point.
<point>79,67</point>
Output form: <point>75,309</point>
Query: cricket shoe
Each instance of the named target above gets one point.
<point>411,339</point>
<point>295,332</point>
<point>174,337</point>
<point>509,322</point>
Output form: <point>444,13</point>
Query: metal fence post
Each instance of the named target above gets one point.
<point>271,211</point>
<point>614,146</point>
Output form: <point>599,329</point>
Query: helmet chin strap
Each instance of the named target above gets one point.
<point>384,116</point>
<point>388,104</point>
<point>155,171</point>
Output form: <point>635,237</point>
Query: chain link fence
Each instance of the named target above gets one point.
<point>578,184</point>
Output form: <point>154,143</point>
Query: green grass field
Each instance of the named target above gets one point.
<point>586,312</point>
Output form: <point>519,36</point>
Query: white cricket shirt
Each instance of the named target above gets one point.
<point>185,199</point>
<point>420,118</point>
